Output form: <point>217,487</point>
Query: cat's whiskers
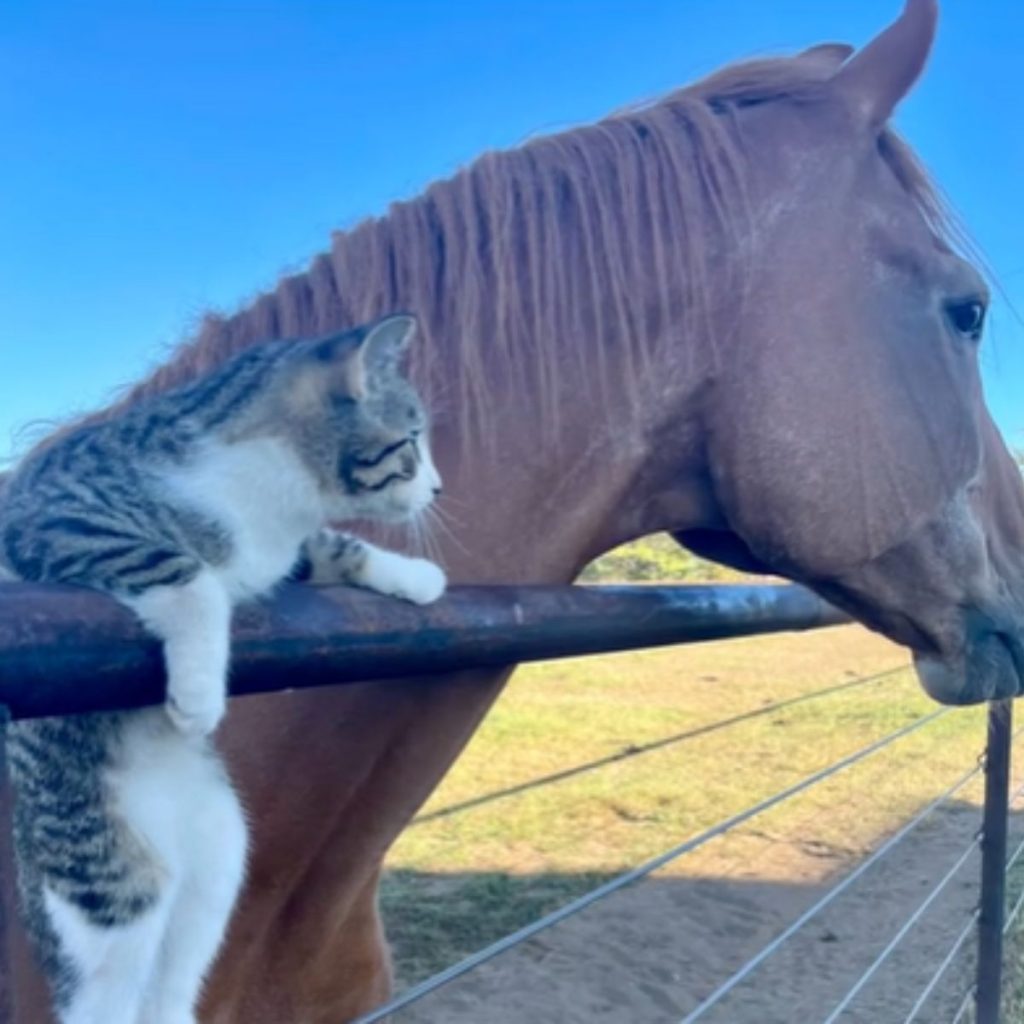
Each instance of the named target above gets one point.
<point>446,502</point>
<point>425,537</point>
<point>441,520</point>
<point>412,538</point>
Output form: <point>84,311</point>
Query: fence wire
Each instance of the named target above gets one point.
<point>509,942</point>
<point>1012,916</point>
<point>766,951</point>
<point>432,984</point>
<point>837,890</point>
<point>965,933</point>
<point>904,930</point>
<point>649,748</point>
<point>947,960</point>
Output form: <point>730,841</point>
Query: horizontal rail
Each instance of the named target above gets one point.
<point>65,650</point>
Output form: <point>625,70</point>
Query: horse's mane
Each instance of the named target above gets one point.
<point>557,240</point>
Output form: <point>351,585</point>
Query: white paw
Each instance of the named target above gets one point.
<point>424,582</point>
<point>411,579</point>
<point>196,713</point>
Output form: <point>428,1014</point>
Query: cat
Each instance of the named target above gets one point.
<point>129,837</point>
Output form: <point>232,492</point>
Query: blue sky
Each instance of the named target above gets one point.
<point>165,158</point>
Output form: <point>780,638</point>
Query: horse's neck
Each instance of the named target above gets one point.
<point>526,506</point>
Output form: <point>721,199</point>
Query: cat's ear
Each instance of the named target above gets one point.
<point>343,365</point>
<point>335,365</point>
<point>330,367</point>
<point>385,342</point>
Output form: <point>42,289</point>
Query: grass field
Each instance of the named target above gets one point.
<point>457,881</point>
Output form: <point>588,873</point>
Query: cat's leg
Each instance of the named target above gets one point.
<point>194,622</point>
<point>108,967</point>
<point>95,889</point>
<point>212,868</point>
<point>332,556</point>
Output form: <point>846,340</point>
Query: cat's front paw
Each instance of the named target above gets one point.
<point>411,579</point>
<point>423,583</point>
<point>195,714</point>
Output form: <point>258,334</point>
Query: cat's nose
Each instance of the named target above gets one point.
<point>437,489</point>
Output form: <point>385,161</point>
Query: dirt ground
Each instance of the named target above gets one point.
<point>653,951</point>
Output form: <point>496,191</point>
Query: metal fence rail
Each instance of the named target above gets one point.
<point>64,651</point>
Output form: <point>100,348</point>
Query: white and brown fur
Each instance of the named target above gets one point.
<point>130,838</point>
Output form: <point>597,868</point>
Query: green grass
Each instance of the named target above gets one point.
<point>655,558</point>
<point>457,882</point>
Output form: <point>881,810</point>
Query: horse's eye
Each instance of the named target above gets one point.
<point>967,317</point>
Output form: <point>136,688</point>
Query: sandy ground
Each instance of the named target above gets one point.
<point>652,952</point>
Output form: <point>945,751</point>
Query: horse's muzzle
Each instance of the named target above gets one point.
<point>991,666</point>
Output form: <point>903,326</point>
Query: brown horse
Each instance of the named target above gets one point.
<point>736,314</point>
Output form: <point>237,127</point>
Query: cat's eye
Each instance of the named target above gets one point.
<point>967,317</point>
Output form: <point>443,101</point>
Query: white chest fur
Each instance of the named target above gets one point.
<point>260,492</point>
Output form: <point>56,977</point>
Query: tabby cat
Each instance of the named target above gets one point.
<point>129,837</point>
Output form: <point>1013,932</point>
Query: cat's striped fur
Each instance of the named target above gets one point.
<point>129,837</point>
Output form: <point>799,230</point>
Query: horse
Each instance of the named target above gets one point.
<point>741,314</point>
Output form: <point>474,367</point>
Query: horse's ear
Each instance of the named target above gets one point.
<point>874,80</point>
<point>386,340</point>
<point>829,55</point>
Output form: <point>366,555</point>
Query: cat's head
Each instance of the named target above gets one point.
<point>360,425</point>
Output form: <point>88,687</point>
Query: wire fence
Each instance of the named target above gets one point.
<point>999,741</point>
<point>634,751</point>
<point>964,934</point>
<point>495,626</point>
<point>432,985</point>
<point>833,894</point>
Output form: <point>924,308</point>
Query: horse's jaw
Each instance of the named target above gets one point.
<point>952,592</point>
<point>959,612</point>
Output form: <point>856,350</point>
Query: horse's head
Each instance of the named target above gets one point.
<point>850,446</point>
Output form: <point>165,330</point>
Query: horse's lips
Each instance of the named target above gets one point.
<point>991,668</point>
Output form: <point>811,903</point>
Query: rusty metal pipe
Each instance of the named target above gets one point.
<point>65,650</point>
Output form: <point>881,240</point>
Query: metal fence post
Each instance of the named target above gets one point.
<point>993,862</point>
